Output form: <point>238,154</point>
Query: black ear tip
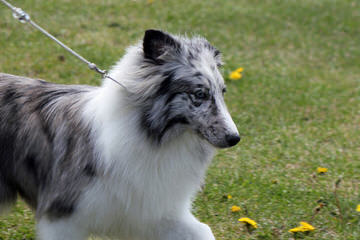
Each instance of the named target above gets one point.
<point>156,43</point>
<point>150,31</point>
<point>153,33</point>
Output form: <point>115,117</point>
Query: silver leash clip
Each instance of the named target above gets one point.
<point>105,74</point>
<point>95,68</point>
<point>20,15</point>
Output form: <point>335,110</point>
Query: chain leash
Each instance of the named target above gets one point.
<point>23,17</point>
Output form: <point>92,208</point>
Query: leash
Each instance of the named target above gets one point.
<point>23,17</point>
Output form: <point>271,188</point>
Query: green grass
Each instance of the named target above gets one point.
<point>297,106</point>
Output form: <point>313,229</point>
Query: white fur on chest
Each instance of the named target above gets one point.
<point>140,183</point>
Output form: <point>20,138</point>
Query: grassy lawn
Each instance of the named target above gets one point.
<point>297,105</point>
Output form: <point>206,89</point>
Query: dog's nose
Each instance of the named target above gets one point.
<point>232,139</point>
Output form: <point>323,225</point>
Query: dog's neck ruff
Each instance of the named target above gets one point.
<point>131,162</point>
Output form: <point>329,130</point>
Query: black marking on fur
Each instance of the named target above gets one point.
<point>172,122</point>
<point>166,83</point>
<point>198,74</point>
<point>9,95</point>
<point>191,56</point>
<point>90,170</point>
<point>32,166</point>
<point>217,53</point>
<point>60,207</point>
<point>168,90</point>
<point>156,43</point>
<point>214,110</point>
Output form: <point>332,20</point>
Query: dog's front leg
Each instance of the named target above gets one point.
<point>188,228</point>
<point>60,229</point>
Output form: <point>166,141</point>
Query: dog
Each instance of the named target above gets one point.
<point>117,162</point>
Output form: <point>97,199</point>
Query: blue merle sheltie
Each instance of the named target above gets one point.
<point>115,163</point>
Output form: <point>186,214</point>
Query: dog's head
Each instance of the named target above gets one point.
<point>183,89</point>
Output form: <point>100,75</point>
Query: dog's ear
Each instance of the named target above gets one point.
<point>156,43</point>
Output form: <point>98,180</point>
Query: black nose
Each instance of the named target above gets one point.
<point>232,139</point>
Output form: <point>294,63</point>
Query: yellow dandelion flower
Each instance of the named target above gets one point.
<point>229,197</point>
<point>304,227</point>
<point>297,229</point>
<point>235,75</point>
<point>248,221</point>
<point>239,70</point>
<point>321,170</point>
<point>358,208</point>
<point>307,226</point>
<point>235,208</point>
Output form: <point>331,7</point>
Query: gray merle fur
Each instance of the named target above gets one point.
<point>45,147</point>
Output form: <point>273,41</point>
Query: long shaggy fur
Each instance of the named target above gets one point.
<point>114,163</point>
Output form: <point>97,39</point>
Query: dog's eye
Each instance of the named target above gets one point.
<point>224,90</point>
<point>200,94</point>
